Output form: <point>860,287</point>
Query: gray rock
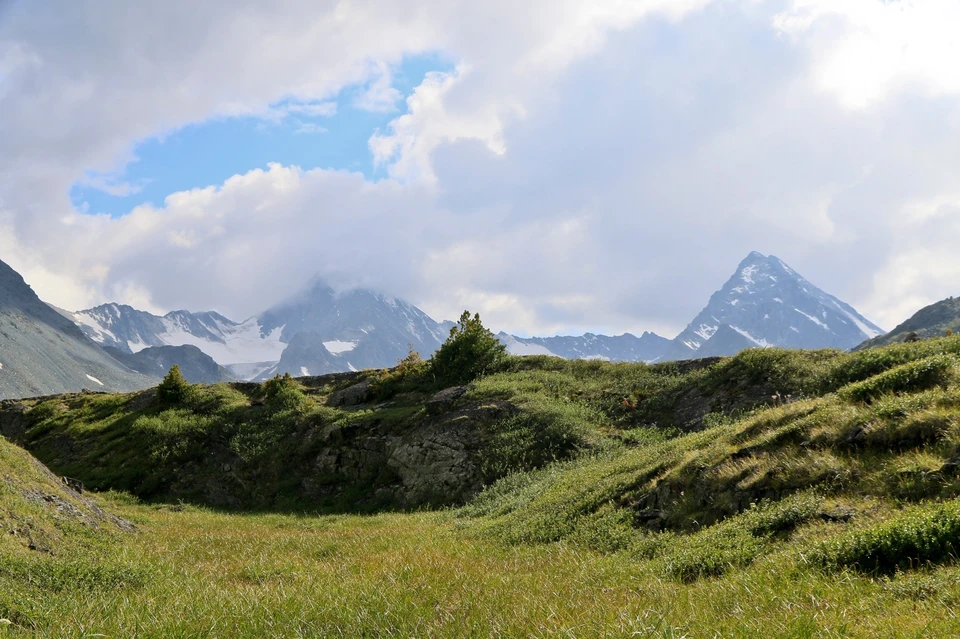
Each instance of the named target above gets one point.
<point>445,399</point>
<point>351,395</point>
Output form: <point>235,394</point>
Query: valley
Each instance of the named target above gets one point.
<point>547,497</point>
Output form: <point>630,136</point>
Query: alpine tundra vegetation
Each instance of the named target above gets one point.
<point>815,489</point>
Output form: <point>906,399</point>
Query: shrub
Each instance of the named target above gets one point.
<point>711,552</point>
<point>174,389</point>
<point>529,440</point>
<point>922,534</point>
<point>911,377</point>
<point>284,394</point>
<point>410,374</point>
<point>922,427</point>
<point>609,529</point>
<point>739,540</point>
<point>861,365</point>
<point>470,352</point>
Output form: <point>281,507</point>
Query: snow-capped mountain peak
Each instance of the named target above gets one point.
<point>767,303</point>
<point>318,329</point>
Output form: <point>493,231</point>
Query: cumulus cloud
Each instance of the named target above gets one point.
<point>585,166</point>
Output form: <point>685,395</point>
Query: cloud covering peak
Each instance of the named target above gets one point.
<point>576,166</point>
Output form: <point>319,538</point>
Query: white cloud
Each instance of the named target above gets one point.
<point>309,128</point>
<point>380,96</point>
<point>595,165</point>
<point>865,50</point>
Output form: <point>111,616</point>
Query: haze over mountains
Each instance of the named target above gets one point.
<point>320,330</point>
<point>314,332</point>
<point>764,303</point>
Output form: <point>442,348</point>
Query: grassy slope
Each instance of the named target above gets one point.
<point>831,512</point>
<point>930,321</point>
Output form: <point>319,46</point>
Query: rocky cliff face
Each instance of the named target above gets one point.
<point>369,456</point>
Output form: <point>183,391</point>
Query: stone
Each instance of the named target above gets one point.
<point>74,484</point>
<point>445,399</point>
<point>351,395</point>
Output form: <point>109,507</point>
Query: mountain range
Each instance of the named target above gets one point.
<point>321,330</point>
<point>317,331</point>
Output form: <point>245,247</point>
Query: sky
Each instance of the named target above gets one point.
<point>558,166</point>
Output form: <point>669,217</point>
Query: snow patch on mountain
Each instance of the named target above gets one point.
<point>813,319</point>
<point>338,346</point>
<point>755,340</point>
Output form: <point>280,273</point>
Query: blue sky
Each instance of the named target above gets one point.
<point>209,152</point>
<point>593,165</point>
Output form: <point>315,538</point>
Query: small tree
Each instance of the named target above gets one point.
<point>174,388</point>
<point>470,352</point>
<point>283,393</point>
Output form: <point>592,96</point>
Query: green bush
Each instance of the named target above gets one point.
<point>609,529</point>
<point>542,433</point>
<point>174,389</point>
<point>411,373</point>
<point>920,535</point>
<point>911,377</point>
<point>739,540</point>
<point>470,352</point>
<point>856,367</point>
<point>711,552</point>
<point>284,394</point>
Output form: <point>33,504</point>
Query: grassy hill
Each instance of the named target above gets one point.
<point>934,320</point>
<point>775,493</point>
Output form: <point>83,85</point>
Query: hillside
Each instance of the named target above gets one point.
<point>41,352</point>
<point>930,321</point>
<point>802,484</point>
<point>196,366</point>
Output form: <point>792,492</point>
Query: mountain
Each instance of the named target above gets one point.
<point>130,330</point>
<point>649,347</point>
<point>318,330</point>
<point>196,366</point>
<point>930,321</point>
<point>349,330</point>
<point>767,303</point>
<point>42,352</point>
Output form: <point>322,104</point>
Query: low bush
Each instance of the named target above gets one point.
<point>911,377</point>
<point>542,432</point>
<point>411,373</point>
<point>737,541</point>
<point>920,535</point>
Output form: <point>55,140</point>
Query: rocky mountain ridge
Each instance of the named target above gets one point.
<point>933,320</point>
<point>41,352</point>
<point>767,303</point>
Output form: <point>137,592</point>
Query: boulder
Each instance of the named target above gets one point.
<point>445,399</point>
<point>351,395</point>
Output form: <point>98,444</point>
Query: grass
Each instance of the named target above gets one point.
<point>198,573</point>
<point>774,494</point>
